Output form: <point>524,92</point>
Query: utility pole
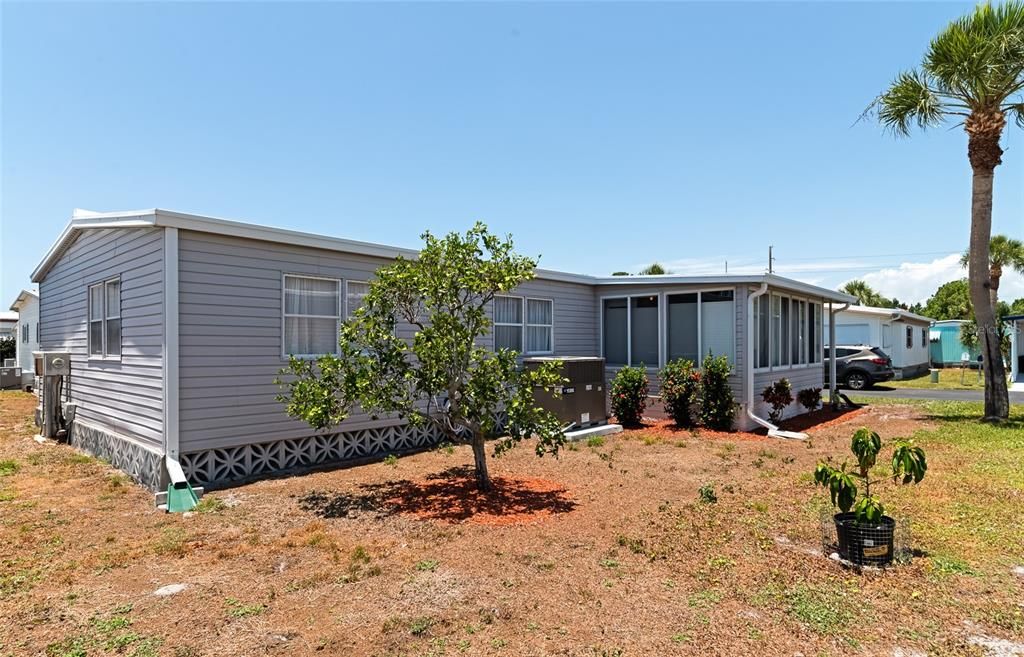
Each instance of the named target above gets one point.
<point>726,266</point>
<point>771,260</point>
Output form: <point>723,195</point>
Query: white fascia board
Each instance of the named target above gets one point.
<point>22,298</point>
<point>776,282</point>
<point>82,219</point>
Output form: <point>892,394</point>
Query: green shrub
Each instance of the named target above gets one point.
<point>717,403</point>
<point>680,390</point>
<point>809,398</point>
<point>706,493</point>
<point>629,395</point>
<point>778,395</point>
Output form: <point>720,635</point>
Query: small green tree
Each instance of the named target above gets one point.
<point>717,403</point>
<point>444,376</point>
<point>908,465</point>
<point>951,300</point>
<point>8,348</point>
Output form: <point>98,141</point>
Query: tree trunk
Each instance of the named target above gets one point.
<point>997,398</point>
<point>483,478</point>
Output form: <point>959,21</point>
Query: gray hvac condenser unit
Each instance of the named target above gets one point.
<point>582,402</point>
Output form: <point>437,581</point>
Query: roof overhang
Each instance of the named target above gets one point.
<point>85,220</point>
<point>22,299</point>
<point>82,220</point>
<point>891,314</point>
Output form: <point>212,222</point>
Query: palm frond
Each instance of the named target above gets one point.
<point>910,100</point>
<point>1015,110</point>
<point>980,57</point>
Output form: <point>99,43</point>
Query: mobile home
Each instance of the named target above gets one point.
<point>177,325</point>
<point>901,334</point>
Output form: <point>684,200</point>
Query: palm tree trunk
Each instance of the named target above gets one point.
<point>997,397</point>
<point>483,478</point>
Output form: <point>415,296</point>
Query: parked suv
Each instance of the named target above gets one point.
<point>859,366</point>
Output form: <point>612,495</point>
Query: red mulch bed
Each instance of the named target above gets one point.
<point>513,500</point>
<point>816,420</point>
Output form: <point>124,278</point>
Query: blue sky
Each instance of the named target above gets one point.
<point>603,136</point>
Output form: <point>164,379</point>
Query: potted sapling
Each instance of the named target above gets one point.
<point>863,531</point>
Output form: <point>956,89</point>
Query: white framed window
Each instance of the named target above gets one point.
<point>311,309</point>
<point>508,323</point>
<point>924,337</point>
<point>540,326</point>
<point>104,312</point>
<point>787,332</point>
<point>699,324</point>
<point>355,292</point>
<point>24,333</point>
<point>631,330</point>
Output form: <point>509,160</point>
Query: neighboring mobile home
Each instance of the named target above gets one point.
<point>947,350</point>
<point>901,334</point>
<point>27,307</point>
<point>178,324</point>
<point>1015,325</point>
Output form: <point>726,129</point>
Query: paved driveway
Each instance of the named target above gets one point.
<point>923,393</point>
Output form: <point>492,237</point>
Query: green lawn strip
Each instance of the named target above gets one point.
<point>968,510</point>
<point>949,379</point>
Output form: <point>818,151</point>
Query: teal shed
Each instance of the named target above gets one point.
<point>946,349</point>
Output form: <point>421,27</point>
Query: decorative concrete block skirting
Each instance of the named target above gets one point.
<point>142,462</point>
<point>219,466</point>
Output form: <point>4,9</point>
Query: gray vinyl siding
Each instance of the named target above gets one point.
<point>230,330</point>
<point>811,376</point>
<point>123,396</point>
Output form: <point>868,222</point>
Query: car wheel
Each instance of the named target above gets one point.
<point>857,381</point>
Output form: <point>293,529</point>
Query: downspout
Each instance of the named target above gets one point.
<point>773,430</point>
<point>833,385</point>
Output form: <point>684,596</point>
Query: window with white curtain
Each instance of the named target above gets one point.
<point>312,310</point>
<point>508,323</point>
<point>105,319</point>
<point>539,326</point>
<point>355,292</point>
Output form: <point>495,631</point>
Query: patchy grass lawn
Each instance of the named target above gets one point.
<point>648,543</point>
<point>949,379</point>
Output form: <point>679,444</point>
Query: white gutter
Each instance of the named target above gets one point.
<point>773,430</point>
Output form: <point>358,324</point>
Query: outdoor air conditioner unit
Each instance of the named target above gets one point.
<point>10,362</point>
<point>582,399</point>
<point>10,377</point>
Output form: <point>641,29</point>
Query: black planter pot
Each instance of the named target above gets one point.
<point>865,544</point>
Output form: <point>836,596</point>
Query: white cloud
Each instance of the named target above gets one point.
<point>916,281</point>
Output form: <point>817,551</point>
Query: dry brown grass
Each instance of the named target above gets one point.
<point>635,565</point>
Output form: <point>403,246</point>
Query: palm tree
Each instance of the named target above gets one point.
<point>1003,252</point>
<point>653,269</point>
<point>973,72</point>
<point>866,295</point>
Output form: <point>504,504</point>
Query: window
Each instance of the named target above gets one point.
<point>718,324</point>
<point>643,331</point>
<point>24,333</point>
<point>105,319</point>
<point>508,323</point>
<point>355,292</point>
<point>910,337</point>
<point>616,331</point>
<point>524,325</point>
<point>761,326</point>
<point>787,332</point>
<point>539,326</point>
<point>312,310</point>
<point>886,336</point>
<point>682,327</point>
<point>924,337</point>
